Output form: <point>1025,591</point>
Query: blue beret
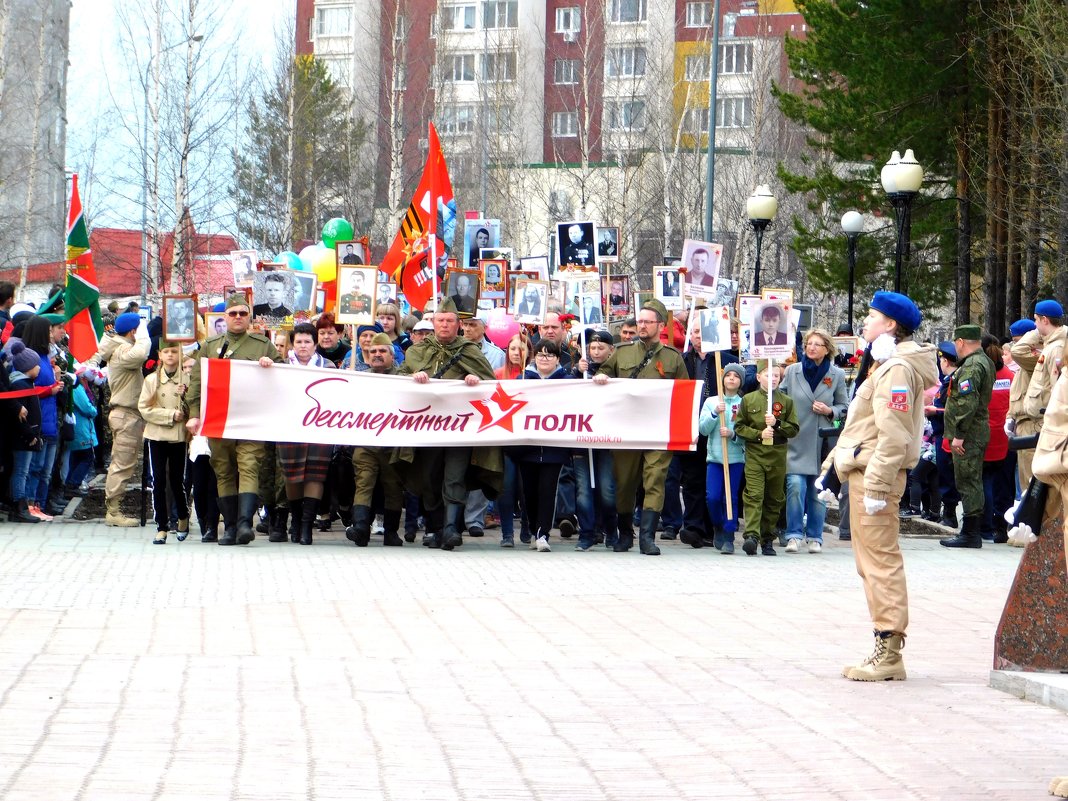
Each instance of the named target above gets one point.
<point>1021,327</point>
<point>1049,308</point>
<point>125,323</point>
<point>377,328</point>
<point>898,307</point>
<point>949,349</point>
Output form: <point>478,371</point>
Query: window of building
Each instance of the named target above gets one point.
<point>458,17</point>
<point>568,19</point>
<point>500,13</point>
<point>402,28</point>
<point>626,115</point>
<point>400,76</point>
<point>626,10</point>
<point>498,67</point>
<point>560,208</point>
<point>458,119</point>
<point>499,120</point>
<point>565,71</point>
<point>459,68</point>
<point>625,62</point>
<point>736,59</point>
<point>695,121</point>
<point>340,70</point>
<point>565,123</point>
<point>698,15</point>
<point>734,112</point>
<point>697,68</point>
<point>333,21</point>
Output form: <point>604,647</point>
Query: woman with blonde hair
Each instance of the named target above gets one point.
<point>389,317</point>
<point>818,390</point>
<point>515,359</point>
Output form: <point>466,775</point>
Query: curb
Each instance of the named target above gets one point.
<point>1046,689</point>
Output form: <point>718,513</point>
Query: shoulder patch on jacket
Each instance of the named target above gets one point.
<point>899,399</point>
<point>965,386</point>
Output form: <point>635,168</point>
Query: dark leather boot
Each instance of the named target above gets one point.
<point>450,536</point>
<point>434,521</point>
<point>209,529</point>
<point>247,503</point>
<point>296,509</point>
<point>949,516</point>
<point>692,537</point>
<point>20,513</point>
<point>969,537</point>
<point>228,509</point>
<point>391,521</point>
<point>626,533</point>
<point>307,520</point>
<point>360,530</point>
<point>647,533</point>
<point>277,529</point>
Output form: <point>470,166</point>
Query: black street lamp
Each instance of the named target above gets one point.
<point>901,178</point>
<point>852,224</point>
<point>761,208</point>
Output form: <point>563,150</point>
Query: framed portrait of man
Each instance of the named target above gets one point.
<point>179,318</point>
<point>746,304</point>
<point>607,244</point>
<point>590,309</point>
<point>726,292</point>
<point>462,287</point>
<point>616,288</point>
<point>351,254</point>
<point>771,336</point>
<point>576,247</point>
<point>305,285</point>
<point>215,323</point>
<point>668,287</point>
<point>511,278</point>
<point>479,234</point>
<point>356,295</point>
<point>702,262</point>
<point>715,328</point>
<point>273,295</point>
<point>493,277</point>
<point>244,263</point>
<point>538,264</point>
<point>531,297</point>
<point>387,293</point>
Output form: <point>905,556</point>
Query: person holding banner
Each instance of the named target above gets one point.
<point>878,446</point>
<point>438,475</point>
<point>717,423</point>
<point>236,463</point>
<point>593,503</point>
<point>646,358</point>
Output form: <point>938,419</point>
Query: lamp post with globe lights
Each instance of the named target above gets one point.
<point>852,224</point>
<point>901,178</point>
<point>761,208</point>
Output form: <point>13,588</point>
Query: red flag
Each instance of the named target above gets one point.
<point>81,302</point>
<point>432,213</point>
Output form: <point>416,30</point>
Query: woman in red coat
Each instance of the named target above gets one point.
<point>998,464</point>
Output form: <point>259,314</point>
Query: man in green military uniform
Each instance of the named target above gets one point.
<point>646,357</point>
<point>356,300</point>
<point>236,462</point>
<point>968,430</point>
<point>373,465</point>
<point>439,475</point>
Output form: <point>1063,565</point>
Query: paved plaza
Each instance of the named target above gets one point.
<point>276,671</point>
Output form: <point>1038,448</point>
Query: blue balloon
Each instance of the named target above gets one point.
<point>291,260</point>
<point>220,306</point>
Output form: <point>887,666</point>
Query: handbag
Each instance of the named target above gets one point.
<point>66,430</point>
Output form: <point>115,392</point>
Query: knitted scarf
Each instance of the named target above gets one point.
<point>813,372</point>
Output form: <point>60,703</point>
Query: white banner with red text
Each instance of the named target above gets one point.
<point>281,403</point>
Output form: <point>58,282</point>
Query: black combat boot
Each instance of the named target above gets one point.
<point>307,520</point>
<point>277,529</point>
<point>360,530</point>
<point>647,533</point>
<point>209,528</point>
<point>450,535</point>
<point>20,513</point>
<point>228,509</point>
<point>949,516</point>
<point>247,503</point>
<point>626,533</point>
<point>692,537</point>
<point>391,521</point>
<point>969,536</point>
<point>296,509</point>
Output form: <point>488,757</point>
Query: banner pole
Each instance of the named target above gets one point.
<point>771,389</point>
<point>723,443</point>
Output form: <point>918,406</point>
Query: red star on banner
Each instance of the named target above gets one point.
<point>507,405</point>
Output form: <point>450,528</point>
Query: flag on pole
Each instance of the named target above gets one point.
<point>81,298</point>
<point>409,260</point>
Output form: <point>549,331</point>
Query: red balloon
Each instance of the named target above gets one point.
<point>501,327</point>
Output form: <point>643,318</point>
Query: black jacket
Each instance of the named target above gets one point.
<point>23,432</point>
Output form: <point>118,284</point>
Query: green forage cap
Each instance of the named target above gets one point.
<point>446,305</point>
<point>381,339</point>
<point>762,365</point>
<point>970,333</point>
<point>658,307</point>
<point>237,299</point>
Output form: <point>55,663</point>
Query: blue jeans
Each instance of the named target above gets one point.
<point>716,496</point>
<point>80,462</point>
<point>20,471</point>
<point>805,512</point>
<point>506,500</point>
<point>41,472</point>
<point>591,503</point>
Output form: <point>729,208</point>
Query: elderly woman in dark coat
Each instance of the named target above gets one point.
<point>818,389</point>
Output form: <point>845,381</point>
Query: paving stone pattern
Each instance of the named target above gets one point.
<point>275,671</point>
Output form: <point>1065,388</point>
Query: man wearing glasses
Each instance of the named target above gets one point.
<point>236,462</point>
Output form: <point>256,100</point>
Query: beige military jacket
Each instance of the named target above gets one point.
<point>124,360</point>
<point>1025,353</point>
<point>1051,454</point>
<point>884,425</point>
<point>665,362</point>
<point>161,397</point>
<point>1046,370</point>
<point>248,347</point>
